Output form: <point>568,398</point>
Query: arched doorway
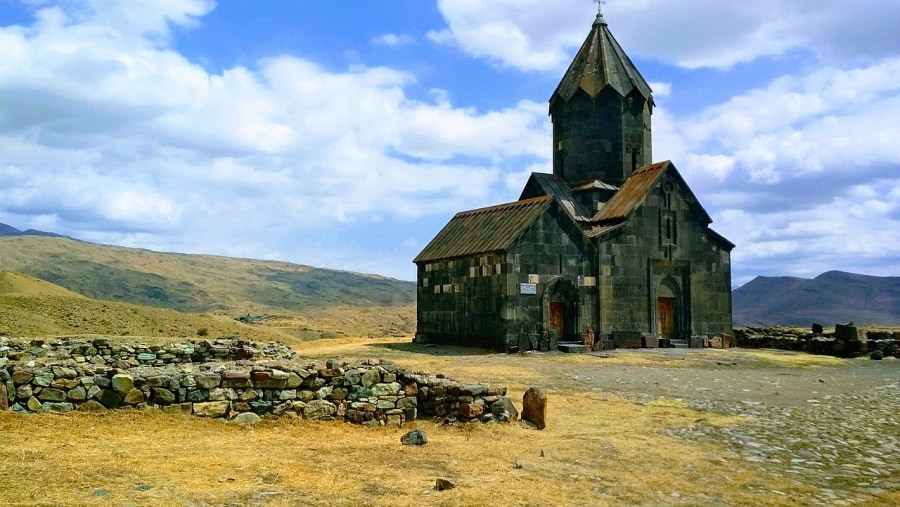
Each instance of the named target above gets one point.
<point>667,305</point>
<point>560,310</point>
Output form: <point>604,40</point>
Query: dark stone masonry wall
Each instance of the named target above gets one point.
<point>230,379</point>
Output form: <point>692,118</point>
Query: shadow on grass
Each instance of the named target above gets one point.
<point>435,350</point>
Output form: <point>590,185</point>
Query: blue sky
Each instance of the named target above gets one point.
<point>345,134</point>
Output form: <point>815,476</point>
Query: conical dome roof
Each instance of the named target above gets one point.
<point>601,62</point>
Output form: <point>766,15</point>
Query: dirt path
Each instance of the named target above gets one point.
<point>740,375</point>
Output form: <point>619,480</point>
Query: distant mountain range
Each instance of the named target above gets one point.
<point>8,230</point>
<point>204,283</point>
<point>831,298</point>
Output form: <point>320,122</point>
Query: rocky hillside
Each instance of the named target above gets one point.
<point>832,297</point>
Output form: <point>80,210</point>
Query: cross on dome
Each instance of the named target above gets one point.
<point>600,4</point>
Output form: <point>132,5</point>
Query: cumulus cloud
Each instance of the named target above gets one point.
<point>802,173</point>
<point>535,35</point>
<point>111,135</point>
<point>531,35</point>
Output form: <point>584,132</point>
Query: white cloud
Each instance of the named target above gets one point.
<point>111,135</point>
<point>531,35</point>
<point>393,40</point>
<point>661,89</point>
<point>802,174</point>
<point>538,35</point>
<point>803,125</point>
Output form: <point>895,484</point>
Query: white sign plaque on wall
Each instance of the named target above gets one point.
<point>527,288</point>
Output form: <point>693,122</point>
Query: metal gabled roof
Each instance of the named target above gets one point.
<point>601,62</point>
<point>632,193</point>
<point>635,189</point>
<point>540,184</point>
<point>484,230</point>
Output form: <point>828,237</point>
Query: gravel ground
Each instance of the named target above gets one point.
<point>836,428</point>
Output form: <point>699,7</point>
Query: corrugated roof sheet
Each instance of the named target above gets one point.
<point>601,62</point>
<point>595,185</point>
<point>551,184</point>
<point>632,192</point>
<point>483,230</point>
<point>600,230</point>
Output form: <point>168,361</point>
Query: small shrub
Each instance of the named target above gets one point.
<point>202,332</point>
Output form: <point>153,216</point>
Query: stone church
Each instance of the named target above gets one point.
<point>610,245</point>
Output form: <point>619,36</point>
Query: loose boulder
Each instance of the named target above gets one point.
<point>414,437</point>
<point>444,483</point>
<point>246,418</point>
<point>504,410</point>
<point>534,408</point>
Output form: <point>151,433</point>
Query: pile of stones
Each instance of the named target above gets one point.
<point>99,376</point>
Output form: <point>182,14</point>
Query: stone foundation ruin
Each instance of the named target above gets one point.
<point>230,379</point>
<point>847,340</point>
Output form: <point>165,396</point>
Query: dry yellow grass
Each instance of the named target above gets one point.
<point>599,450</point>
<point>343,322</point>
<point>32,307</point>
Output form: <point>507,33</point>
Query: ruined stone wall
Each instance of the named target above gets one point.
<point>233,379</point>
<point>846,341</point>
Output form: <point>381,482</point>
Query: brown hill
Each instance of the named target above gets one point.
<point>303,301</point>
<point>17,284</point>
<point>35,308</point>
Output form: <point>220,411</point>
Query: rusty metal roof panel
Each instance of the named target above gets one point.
<point>601,62</point>
<point>484,230</point>
<point>632,193</point>
<point>595,185</point>
<point>600,230</point>
<point>551,184</point>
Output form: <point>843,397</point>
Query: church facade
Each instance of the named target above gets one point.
<point>609,244</point>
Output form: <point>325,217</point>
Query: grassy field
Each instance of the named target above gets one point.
<point>598,449</point>
<point>32,307</point>
<point>194,283</point>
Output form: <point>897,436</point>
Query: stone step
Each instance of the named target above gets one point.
<point>572,347</point>
<point>679,344</point>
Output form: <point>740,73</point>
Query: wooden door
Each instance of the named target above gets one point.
<point>666,312</point>
<point>557,318</point>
